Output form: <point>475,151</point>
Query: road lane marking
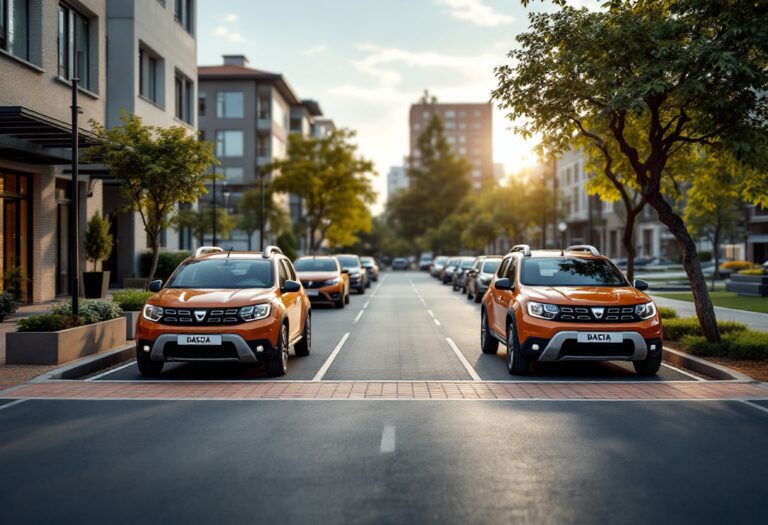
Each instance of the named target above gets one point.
<point>423,301</point>
<point>329,361</point>
<point>436,322</point>
<point>12,403</point>
<point>754,405</point>
<point>387,440</point>
<point>681,371</point>
<point>431,314</point>
<point>133,362</point>
<point>471,371</point>
<point>359,315</point>
<point>366,304</point>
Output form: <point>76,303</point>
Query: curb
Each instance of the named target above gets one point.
<point>702,366</point>
<point>89,365</point>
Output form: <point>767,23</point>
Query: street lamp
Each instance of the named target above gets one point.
<point>562,227</point>
<point>213,198</point>
<point>226,192</point>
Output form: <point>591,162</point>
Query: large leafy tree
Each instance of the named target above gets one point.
<point>249,214</point>
<point>200,222</point>
<point>334,184</point>
<point>157,168</point>
<point>688,73</point>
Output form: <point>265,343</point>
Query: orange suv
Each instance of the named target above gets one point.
<point>324,279</point>
<point>571,305</point>
<point>226,306</point>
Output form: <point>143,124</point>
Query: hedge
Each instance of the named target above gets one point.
<point>94,311</point>
<point>676,329</point>
<point>744,344</point>
<point>47,323</point>
<point>667,313</point>
<point>166,263</point>
<point>131,300</point>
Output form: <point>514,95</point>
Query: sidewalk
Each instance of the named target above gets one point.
<point>754,320</point>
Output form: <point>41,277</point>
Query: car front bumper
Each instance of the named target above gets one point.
<point>233,349</point>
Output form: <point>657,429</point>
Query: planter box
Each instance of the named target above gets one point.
<point>130,324</point>
<point>53,348</point>
<point>135,282</point>
<point>754,285</point>
<point>95,284</point>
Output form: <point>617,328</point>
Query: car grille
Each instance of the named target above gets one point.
<point>584,314</point>
<point>187,316</point>
<point>313,284</point>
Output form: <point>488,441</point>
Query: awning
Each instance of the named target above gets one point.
<point>30,137</point>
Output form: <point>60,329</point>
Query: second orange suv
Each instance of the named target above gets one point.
<point>226,306</point>
<point>324,279</point>
<point>571,305</point>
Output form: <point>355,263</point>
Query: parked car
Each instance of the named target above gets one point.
<point>400,263</point>
<point>460,275</point>
<point>446,276</point>
<point>358,279</point>
<point>437,266</point>
<point>425,261</point>
<point>574,305</point>
<point>324,280</point>
<point>371,269</point>
<point>235,306</point>
<point>480,275</point>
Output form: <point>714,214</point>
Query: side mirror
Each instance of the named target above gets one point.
<point>503,284</point>
<point>640,285</point>
<point>155,286</point>
<point>345,270</point>
<point>291,286</point>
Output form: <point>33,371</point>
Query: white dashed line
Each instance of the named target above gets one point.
<point>366,304</point>
<point>431,314</point>
<point>471,371</point>
<point>12,403</point>
<point>754,405</point>
<point>110,371</point>
<point>329,361</point>
<point>437,322</point>
<point>359,315</point>
<point>387,440</point>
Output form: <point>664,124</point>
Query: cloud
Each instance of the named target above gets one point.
<point>231,17</point>
<point>226,34</point>
<point>476,12</point>
<point>316,50</point>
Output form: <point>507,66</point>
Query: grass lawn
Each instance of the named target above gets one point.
<point>726,299</point>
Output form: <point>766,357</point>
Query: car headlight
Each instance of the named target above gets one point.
<point>331,282</point>
<point>542,310</point>
<point>152,312</point>
<point>645,311</point>
<point>255,312</point>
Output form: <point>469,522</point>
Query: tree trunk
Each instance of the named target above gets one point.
<point>705,311</point>
<point>250,240</point>
<point>629,245</point>
<point>155,257</point>
<point>716,250</point>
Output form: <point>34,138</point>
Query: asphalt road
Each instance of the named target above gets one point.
<point>400,330</point>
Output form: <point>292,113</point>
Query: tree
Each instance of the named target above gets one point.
<point>687,73</point>
<point>332,181</point>
<point>98,240</point>
<point>249,214</point>
<point>157,168</point>
<point>200,222</point>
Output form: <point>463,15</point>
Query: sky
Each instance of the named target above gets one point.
<point>367,61</point>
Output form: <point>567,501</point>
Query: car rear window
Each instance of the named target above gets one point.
<point>558,271</point>
<point>348,261</point>
<point>316,265</point>
<point>441,260</point>
<point>467,263</point>
<point>491,265</point>
<point>224,273</point>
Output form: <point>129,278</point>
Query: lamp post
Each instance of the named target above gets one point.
<point>74,211</point>
<point>562,227</point>
<point>226,193</point>
<point>213,198</point>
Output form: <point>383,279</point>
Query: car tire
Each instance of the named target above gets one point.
<point>304,346</point>
<point>455,287</point>
<point>488,343</point>
<point>361,290</point>
<point>478,297</point>
<point>346,298</point>
<point>368,284</point>
<point>340,303</point>
<point>464,290</point>
<point>517,363</point>
<point>469,293</point>
<point>648,366</point>
<point>147,367</point>
<point>278,365</point>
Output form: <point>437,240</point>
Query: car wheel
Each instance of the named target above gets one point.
<point>517,364</point>
<point>361,290</point>
<point>367,284</point>
<point>648,366</point>
<point>488,343</point>
<point>455,286</point>
<point>346,298</point>
<point>278,365</point>
<point>340,303</point>
<point>147,367</point>
<point>464,290</point>
<point>469,293</point>
<point>478,297</point>
<point>303,347</point>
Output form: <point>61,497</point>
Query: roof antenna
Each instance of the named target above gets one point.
<point>227,259</point>
<point>562,253</point>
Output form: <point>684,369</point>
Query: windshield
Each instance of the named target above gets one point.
<point>467,263</point>
<point>348,261</point>
<point>557,271</point>
<point>367,261</point>
<point>223,273</point>
<point>316,265</point>
<point>491,265</point>
<point>441,260</point>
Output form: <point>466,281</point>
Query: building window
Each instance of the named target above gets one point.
<point>265,103</point>
<point>229,104</point>
<point>14,27</point>
<point>229,143</point>
<point>450,114</point>
<point>201,100</point>
<point>183,12</point>
<point>576,200</point>
<point>74,53</point>
<point>184,91</point>
<point>150,75</point>
<point>233,175</point>
<point>450,124</point>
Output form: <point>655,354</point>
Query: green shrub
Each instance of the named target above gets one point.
<point>744,344</point>
<point>8,305</point>
<point>47,323</point>
<point>677,328</point>
<point>91,311</point>
<point>667,313</point>
<point>737,265</point>
<point>131,300</point>
<point>166,263</point>
<point>752,271</point>
<point>697,345</point>
<point>98,240</point>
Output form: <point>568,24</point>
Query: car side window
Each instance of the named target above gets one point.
<point>511,268</point>
<point>282,273</point>
<point>502,268</point>
<point>289,269</point>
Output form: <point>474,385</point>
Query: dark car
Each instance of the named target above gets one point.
<point>447,274</point>
<point>371,268</point>
<point>400,263</point>
<point>436,268</point>
<point>460,275</point>
<point>425,262</point>
<point>480,276</point>
<point>358,278</point>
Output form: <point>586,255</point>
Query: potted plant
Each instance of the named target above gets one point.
<point>8,305</point>
<point>98,247</point>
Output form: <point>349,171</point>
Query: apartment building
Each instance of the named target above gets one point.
<point>249,114</point>
<point>43,45</point>
<point>468,130</point>
<point>397,180</point>
<point>152,61</point>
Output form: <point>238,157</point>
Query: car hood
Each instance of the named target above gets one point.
<point>586,295</point>
<point>192,298</point>
<point>316,276</point>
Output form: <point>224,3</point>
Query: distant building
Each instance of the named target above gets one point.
<point>469,131</point>
<point>498,171</point>
<point>397,180</point>
<point>322,127</point>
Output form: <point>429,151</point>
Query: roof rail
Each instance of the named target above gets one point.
<point>583,248</point>
<point>525,248</point>
<point>271,250</point>
<point>207,249</point>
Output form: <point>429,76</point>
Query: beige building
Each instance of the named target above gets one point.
<point>468,130</point>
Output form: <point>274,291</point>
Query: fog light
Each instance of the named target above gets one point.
<point>534,346</point>
<point>653,347</point>
<point>259,348</point>
<point>146,348</point>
